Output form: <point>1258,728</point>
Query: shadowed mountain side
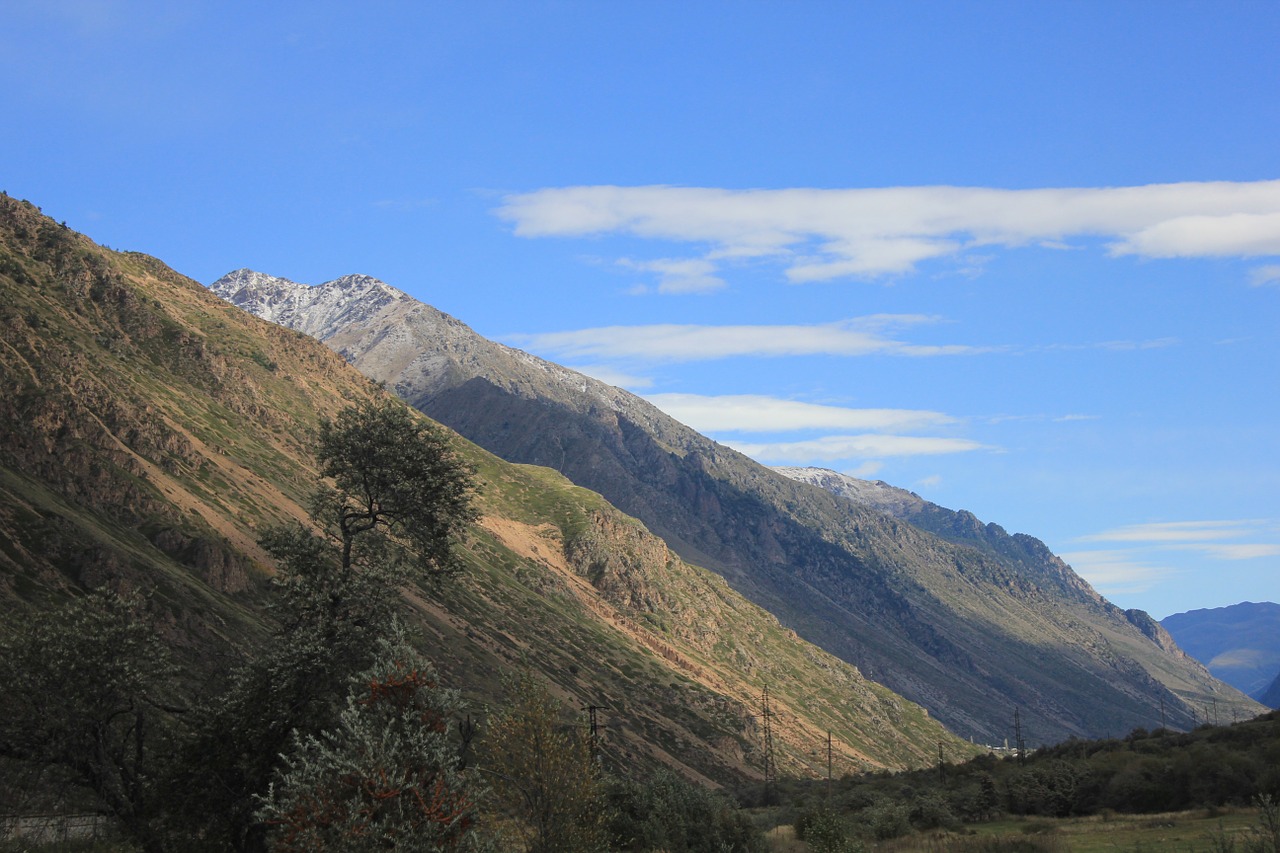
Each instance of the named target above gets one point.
<point>967,631</point>
<point>150,431</point>
<point>847,579</point>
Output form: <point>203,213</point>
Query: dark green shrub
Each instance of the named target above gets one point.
<point>887,819</point>
<point>825,832</point>
<point>664,812</point>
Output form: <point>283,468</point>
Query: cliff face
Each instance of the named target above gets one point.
<point>958,616</point>
<point>149,431</point>
<point>1154,631</point>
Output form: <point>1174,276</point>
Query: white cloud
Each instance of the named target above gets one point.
<point>1174,531</point>
<point>688,342</point>
<point>1116,572</point>
<point>1212,539</point>
<point>1265,276</point>
<point>1235,234</point>
<point>1234,551</point>
<point>866,470</point>
<point>833,447</point>
<point>610,376</point>
<point>689,275</point>
<point>758,413</point>
<point>822,234</point>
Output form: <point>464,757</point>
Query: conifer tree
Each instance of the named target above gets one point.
<point>386,777</point>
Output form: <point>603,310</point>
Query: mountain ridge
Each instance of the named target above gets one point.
<point>1239,643</point>
<point>967,631</point>
<point>152,430</point>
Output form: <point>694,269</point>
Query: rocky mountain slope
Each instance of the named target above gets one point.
<point>967,631</point>
<point>149,431</point>
<point>1240,644</point>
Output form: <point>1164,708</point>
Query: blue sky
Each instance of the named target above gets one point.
<point>1021,258</point>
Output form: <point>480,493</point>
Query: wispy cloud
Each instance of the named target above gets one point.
<point>689,342</point>
<point>881,436</point>
<point>759,413</point>
<point>1265,276</point>
<point>866,470</point>
<point>833,447</point>
<point>611,376</point>
<point>687,275</point>
<point>1117,572</point>
<point>1166,532</point>
<point>1138,566</point>
<point>823,234</point>
<point>1235,551</point>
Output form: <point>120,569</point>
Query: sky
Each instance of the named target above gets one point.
<point>1020,258</point>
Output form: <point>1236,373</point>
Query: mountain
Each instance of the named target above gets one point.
<point>1271,696</point>
<point>150,431</point>
<point>966,631</point>
<point>1240,644</point>
<point>1024,554</point>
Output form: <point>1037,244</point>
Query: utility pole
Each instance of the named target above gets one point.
<point>942,772</point>
<point>595,731</point>
<point>1162,712</point>
<point>828,765</point>
<point>766,717</point>
<point>1017,736</point>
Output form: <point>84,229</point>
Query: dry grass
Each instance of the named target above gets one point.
<point>1176,832</point>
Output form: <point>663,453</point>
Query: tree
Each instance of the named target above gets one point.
<point>543,773</point>
<point>394,474</point>
<point>386,777</point>
<point>85,694</point>
<point>399,500</point>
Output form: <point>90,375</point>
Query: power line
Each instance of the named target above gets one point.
<point>766,716</point>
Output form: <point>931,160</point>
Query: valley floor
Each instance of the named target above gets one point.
<point>1200,831</point>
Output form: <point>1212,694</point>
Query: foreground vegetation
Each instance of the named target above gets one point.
<point>337,734</point>
<point>1199,831</point>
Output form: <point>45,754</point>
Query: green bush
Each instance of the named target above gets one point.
<point>887,819</point>
<point>825,832</point>
<point>931,811</point>
<point>664,812</point>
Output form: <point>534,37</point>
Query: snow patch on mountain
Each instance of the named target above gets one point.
<point>876,494</point>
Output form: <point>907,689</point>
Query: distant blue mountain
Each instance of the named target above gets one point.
<point>1240,644</point>
<point>1271,696</point>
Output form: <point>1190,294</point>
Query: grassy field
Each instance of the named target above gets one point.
<point>1181,832</point>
